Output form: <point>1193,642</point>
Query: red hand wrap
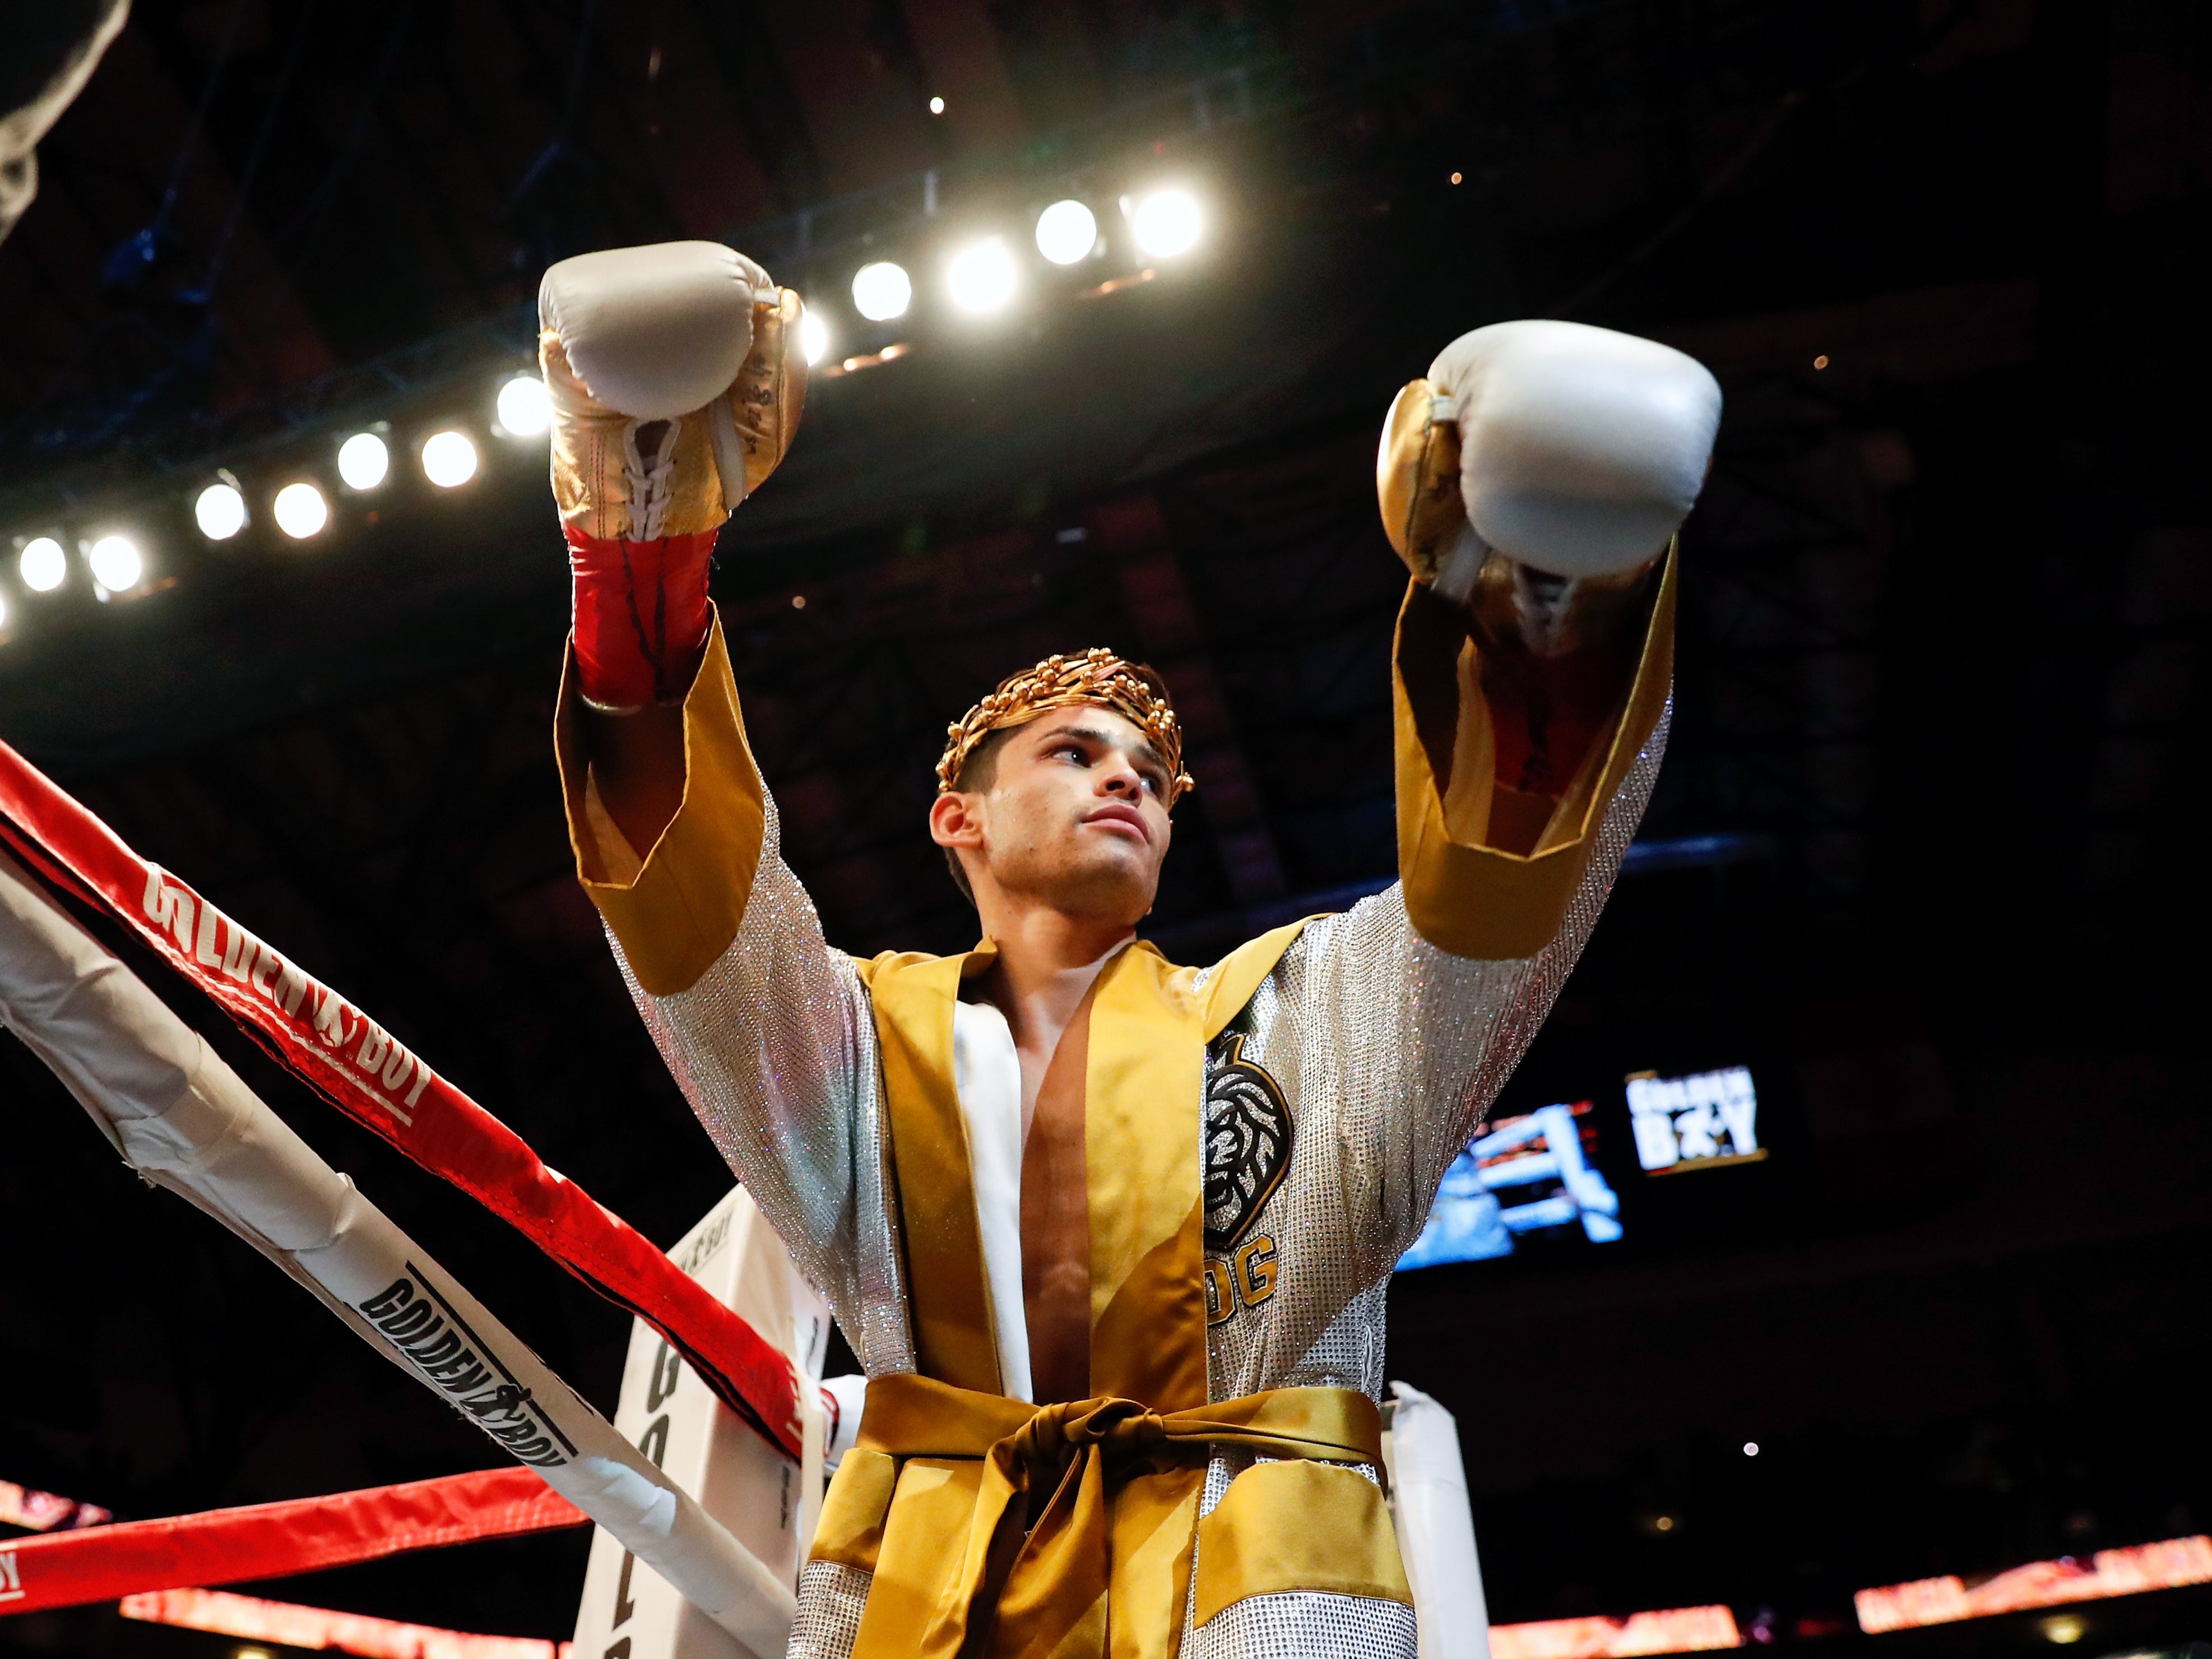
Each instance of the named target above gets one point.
<point>640,616</point>
<point>1546,712</point>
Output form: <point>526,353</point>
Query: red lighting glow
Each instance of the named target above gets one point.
<point>2167,1565</point>
<point>294,1626</point>
<point>1676,1630</point>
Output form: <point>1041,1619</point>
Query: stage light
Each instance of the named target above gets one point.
<point>937,107</point>
<point>363,460</point>
<point>116,563</point>
<point>220,511</point>
<point>2065,1629</point>
<point>1066,232</point>
<point>301,511</point>
<point>1167,223</point>
<point>449,459</point>
<point>981,276</point>
<point>813,337</point>
<point>3,618</point>
<point>1751,1448</point>
<point>524,410</point>
<point>882,291</point>
<point>43,565</point>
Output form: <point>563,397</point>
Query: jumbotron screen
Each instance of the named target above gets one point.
<point>1551,1178</point>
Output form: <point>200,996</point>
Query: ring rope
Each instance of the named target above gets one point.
<point>276,1540</point>
<point>358,1067</point>
<point>184,1119</point>
<point>292,1626</point>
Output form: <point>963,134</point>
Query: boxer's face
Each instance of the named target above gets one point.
<point>1071,813</point>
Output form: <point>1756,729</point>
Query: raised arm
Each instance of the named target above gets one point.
<point>676,385</point>
<point>1533,483</point>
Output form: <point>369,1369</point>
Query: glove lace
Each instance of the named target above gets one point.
<point>648,482</point>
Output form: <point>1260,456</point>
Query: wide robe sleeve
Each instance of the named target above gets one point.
<point>768,1030</point>
<point>1463,894</point>
<point>1400,1018</point>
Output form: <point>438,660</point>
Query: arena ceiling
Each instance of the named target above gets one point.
<point>1938,752</point>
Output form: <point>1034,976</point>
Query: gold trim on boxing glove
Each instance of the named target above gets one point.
<point>700,465</point>
<point>754,422</point>
<point>609,487</point>
<point>1417,479</point>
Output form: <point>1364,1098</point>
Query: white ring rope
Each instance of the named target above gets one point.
<point>184,1119</point>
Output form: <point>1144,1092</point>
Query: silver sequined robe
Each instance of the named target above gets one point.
<point>1387,1051</point>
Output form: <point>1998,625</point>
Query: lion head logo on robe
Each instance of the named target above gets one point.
<point>1247,1143</point>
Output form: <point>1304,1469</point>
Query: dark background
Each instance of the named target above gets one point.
<point>1940,704</point>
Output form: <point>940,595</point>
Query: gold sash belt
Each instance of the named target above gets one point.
<point>1004,1526</point>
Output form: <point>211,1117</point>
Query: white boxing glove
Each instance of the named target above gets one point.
<point>1575,451</point>
<point>690,339</point>
<point>677,379</point>
<point>655,333</point>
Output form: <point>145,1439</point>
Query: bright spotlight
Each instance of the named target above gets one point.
<point>882,291</point>
<point>981,276</point>
<point>1066,232</point>
<point>363,460</point>
<point>449,458</point>
<point>524,410</point>
<point>220,511</point>
<point>813,337</point>
<point>115,564</point>
<point>1167,223</point>
<point>3,617</point>
<point>43,564</point>
<point>301,511</point>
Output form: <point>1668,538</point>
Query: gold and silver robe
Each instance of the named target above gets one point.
<point>1264,1139</point>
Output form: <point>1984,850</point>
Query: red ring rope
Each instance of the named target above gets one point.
<point>370,1075</point>
<point>275,1540</point>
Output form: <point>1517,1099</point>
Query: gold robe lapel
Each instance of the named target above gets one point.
<point>955,1339</point>
<point>908,1506</point>
<point>1144,1082</point>
<point>1141,1134</point>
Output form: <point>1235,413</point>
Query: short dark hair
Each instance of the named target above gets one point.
<point>978,771</point>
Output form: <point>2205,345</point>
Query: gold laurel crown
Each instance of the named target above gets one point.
<point>1062,682</point>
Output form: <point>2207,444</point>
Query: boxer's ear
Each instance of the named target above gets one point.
<point>1417,479</point>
